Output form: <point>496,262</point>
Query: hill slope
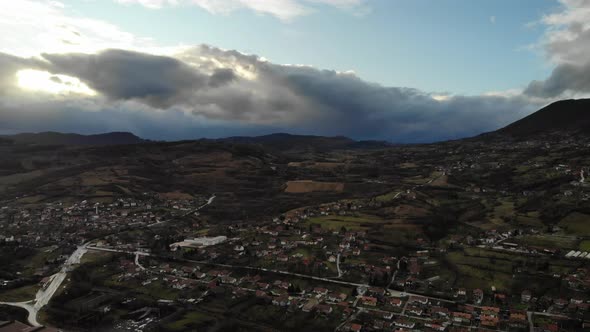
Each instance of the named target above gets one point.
<point>289,142</point>
<point>54,138</point>
<point>572,116</point>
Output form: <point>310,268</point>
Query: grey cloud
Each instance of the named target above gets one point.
<point>158,80</point>
<point>221,77</point>
<point>564,78</point>
<point>206,91</point>
<point>567,43</point>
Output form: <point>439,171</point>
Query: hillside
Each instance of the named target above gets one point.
<point>54,138</point>
<point>284,142</point>
<point>572,116</point>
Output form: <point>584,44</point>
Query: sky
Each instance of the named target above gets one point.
<point>399,70</point>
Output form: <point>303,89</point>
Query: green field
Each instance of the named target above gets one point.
<point>576,223</point>
<point>335,223</point>
<point>188,321</point>
<point>21,294</point>
<point>549,241</point>
<point>481,272</point>
<point>585,245</point>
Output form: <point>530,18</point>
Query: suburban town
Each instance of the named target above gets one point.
<point>152,261</point>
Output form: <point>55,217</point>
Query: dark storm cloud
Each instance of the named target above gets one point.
<point>566,44</point>
<point>564,78</point>
<point>159,81</point>
<point>219,93</point>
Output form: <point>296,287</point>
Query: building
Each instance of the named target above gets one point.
<point>199,242</point>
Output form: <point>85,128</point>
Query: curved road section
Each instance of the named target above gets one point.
<point>45,294</point>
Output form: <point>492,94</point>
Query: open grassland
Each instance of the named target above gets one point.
<point>21,294</point>
<point>585,245</point>
<point>549,241</point>
<point>188,321</point>
<point>335,223</point>
<point>576,223</point>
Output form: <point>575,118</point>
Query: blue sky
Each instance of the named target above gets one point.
<point>446,46</point>
<point>397,70</point>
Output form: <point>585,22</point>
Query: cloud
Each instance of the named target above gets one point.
<point>567,45</point>
<point>493,19</point>
<point>29,27</point>
<point>174,93</point>
<point>224,92</point>
<point>285,10</point>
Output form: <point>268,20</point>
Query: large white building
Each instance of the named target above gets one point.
<point>199,242</point>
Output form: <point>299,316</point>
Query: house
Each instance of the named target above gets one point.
<point>369,301</point>
<point>263,285</point>
<point>461,292</point>
<point>477,296</point>
<point>310,305</point>
<point>394,301</point>
<point>489,321</point>
<point>228,280</point>
<point>405,323</point>
<point>525,296</point>
<point>440,312</point>
<point>376,291</point>
<point>419,299</point>
<point>324,309</point>
<point>560,303</point>
<point>381,325</point>
<point>388,315</point>
<point>320,291</point>
<point>436,327</point>
<point>416,311</point>
<point>282,301</point>
<point>462,317</point>
<point>519,316</point>
<point>334,297</point>
<point>354,328</point>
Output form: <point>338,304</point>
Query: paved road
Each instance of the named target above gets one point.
<point>45,294</point>
<point>252,268</point>
<point>137,261</point>
<point>209,201</point>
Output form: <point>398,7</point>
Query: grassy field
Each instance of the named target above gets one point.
<point>576,223</point>
<point>585,245</point>
<point>481,272</point>
<point>335,223</point>
<point>386,197</point>
<point>549,241</point>
<point>24,293</point>
<point>190,319</point>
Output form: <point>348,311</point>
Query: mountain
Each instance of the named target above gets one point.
<point>284,142</point>
<point>54,138</point>
<point>571,116</point>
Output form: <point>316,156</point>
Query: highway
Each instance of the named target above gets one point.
<point>45,294</point>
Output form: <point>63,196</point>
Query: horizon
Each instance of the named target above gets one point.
<point>395,71</point>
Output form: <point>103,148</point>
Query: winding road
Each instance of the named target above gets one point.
<point>45,294</point>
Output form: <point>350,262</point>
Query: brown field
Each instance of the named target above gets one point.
<point>441,181</point>
<point>176,195</point>
<point>315,165</point>
<point>307,186</point>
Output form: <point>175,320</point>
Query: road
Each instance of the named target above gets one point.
<point>394,274</point>
<point>338,266</point>
<point>292,274</point>
<point>209,201</point>
<point>137,261</point>
<point>45,294</point>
